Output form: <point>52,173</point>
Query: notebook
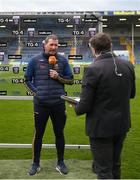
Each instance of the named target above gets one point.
<point>70,99</point>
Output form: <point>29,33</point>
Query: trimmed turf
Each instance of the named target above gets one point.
<point>16,126</point>
<point>18,169</point>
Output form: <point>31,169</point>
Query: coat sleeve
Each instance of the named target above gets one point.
<point>133,89</point>
<point>67,76</point>
<point>89,83</point>
<point>28,77</point>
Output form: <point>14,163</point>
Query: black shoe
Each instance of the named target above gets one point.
<point>35,168</point>
<point>62,168</point>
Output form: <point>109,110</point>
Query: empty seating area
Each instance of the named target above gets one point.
<point>75,45</point>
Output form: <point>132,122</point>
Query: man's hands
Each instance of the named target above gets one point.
<point>72,105</point>
<point>53,74</point>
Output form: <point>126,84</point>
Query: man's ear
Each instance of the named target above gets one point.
<point>93,51</point>
<point>111,46</point>
<point>43,43</point>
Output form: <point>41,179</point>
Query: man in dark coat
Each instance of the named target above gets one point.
<point>107,86</point>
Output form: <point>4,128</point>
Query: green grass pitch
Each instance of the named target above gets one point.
<point>16,126</point>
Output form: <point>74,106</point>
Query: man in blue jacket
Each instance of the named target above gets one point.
<point>107,86</point>
<point>45,77</point>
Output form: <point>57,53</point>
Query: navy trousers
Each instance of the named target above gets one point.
<point>57,115</point>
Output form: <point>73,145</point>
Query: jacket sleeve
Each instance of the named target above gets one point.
<point>28,78</point>
<point>133,89</point>
<point>67,76</point>
<point>87,93</point>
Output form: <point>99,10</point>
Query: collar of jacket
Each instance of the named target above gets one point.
<point>105,55</point>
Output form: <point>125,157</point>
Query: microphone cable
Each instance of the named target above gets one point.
<point>115,65</point>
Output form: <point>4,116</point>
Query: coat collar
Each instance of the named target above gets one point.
<point>104,56</point>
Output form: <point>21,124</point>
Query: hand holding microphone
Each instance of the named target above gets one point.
<point>53,74</point>
<point>52,61</point>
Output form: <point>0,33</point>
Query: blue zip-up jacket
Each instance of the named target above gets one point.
<point>45,89</point>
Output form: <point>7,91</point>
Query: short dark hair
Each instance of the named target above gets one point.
<point>101,42</point>
<point>52,36</point>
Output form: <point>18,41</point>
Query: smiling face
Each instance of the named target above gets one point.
<point>51,46</point>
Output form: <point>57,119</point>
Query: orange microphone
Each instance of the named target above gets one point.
<point>52,60</point>
<point>53,66</point>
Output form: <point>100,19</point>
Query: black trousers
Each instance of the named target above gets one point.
<point>58,117</point>
<point>107,156</point>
